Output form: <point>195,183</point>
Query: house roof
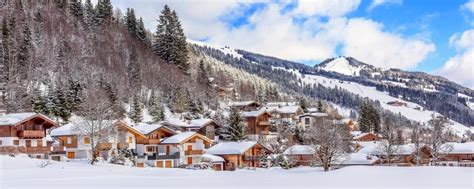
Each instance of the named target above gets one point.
<point>315,114</point>
<point>289,109</point>
<point>212,158</point>
<point>461,148</point>
<point>16,118</point>
<point>254,113</point>
<point>183,137</point>
<point>64,130</point>
<point>299,150</point>
<point>243,103</point>
<point>359,158</point>
<point>147,128</point>
<point>360,135</point>
<point>230,148</point>
<point>188,123</point>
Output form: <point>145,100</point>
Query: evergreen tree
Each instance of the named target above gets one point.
<point>369,119</point>
<point>62,106</point>
<point>5,56</point>
<point>156,109</point>
<point>136,112</point>
<point>170,41</point>
<point>24,51</point>
<point>320,106</point>
<point>131,21</point>
<point>39,103</point>
<point>134,70</point>
<point>76,9</point>
<point>141,32</point>
<point>104,12</point>
<point>89,14</point>
<point>236,129</point>
<point>304,104</point>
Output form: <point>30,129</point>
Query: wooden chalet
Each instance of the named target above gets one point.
<point>188,145</point>
<point>256,123</point>
<point>239,154</point>
<point>206,127</point>
<point>25,133</point>
<point>245,105</point>
<point>300,155</point>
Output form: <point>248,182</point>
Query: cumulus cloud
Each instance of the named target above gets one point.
<point>366,40</point>
<point>376,3</point>
<point>468,6</point>
<point>460,67</point>
<point>305,30</point>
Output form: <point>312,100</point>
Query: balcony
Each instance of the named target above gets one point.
<point>148,141</point>
<point>193,152</point>
<point>31,134</point>
<point>264,123</point>
<point>58,150</point>
<point>37,150</point>
<point>251,158</point>
<point>157,156</point>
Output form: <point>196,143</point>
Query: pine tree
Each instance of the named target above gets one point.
<point>5,55</point>
<point>320,106</point>
<point>235,131</point>
<point>156,109</point>
<point>131,21</point>
<point>39,103</point>
<point>24,50</point>
<point>76,9</point>
<point>304,104</point>
<point>369,119</point>
<point>89,14</point>
<point>104,12</point>
<point>134,70</point>
<point>136,113</point>
<point>141,32</point>
<point>170,41</point>
<point>62,106</point>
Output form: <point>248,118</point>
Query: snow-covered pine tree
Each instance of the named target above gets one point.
<point>76,9</point>
<point>235,131</point>
<point>304,104</point>
<point>320,106</point>
<point>156,109</point>
<point>170,41</point>
<point>104,12</point>
<point>136,111</point>
<point>89,14</point>
<point>131,21</point>
<point>369,119</point>
<point>134,70</point>
<point>62,106</point>
<point>24,50</point>
<point>141,32</point>
<point>39,103</point>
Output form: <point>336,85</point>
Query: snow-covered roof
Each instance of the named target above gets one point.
<point>146,128</point>
<point>461,148</point>
<point>281,103</point>
<point>359,159</point>
<point>242,103</point>
<point>225,148</point>
<point>299,150</point>
<point>64,130</point>
<point>288,109</point>
<point>15,118</point>
<point>315,114</point>
<point>188,123</point>
<point>178,138</point>
<point>253,113</point>
<point>211,158</point>
<point>360,135</point>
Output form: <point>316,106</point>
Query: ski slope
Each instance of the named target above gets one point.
<point>342,66</point>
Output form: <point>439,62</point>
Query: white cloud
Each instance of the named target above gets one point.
<point>376,3</point>
<point>460,68</point>
<point>274,32</point>
<point>468,6</point>
<point>365,40</point>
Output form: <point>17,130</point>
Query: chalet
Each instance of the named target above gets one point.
<point>397,103</point>
<point>239,154</point>
<point>74,145</point>
<point>147,142</point>
<point>25,133</point>
<point>189,146</point>
<point>245,105</point>
<point>300,155</point>
<point>460,154</point>
<point>216,162</point>
<point>308,119</point>
<point>289,114</point>
<point>206,127</point>
<point>257,123</point>
<point>366,137</point>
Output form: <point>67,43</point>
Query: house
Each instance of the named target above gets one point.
<point>366,137</point>
<point>397,103</point>
<point>216,162</point>
<point>206,127</point>
<point>147,141</point>
<point>289,114</point>
<point>245,105</point>
<point>239,154</point>
<point>300,155</point>
<point>77,146</point>
<point>188,145</point>
<point>460,154</point>
<point>257,123</point>
<point>308,119</point>
<point>25,133</point>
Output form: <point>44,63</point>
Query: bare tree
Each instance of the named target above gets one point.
<point>330,142</point>
<point>96,121</point>
<point>417,140</point>
<point>439,135</point>
<point>388,147</point>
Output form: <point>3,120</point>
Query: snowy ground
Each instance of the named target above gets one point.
<point>24,173</point>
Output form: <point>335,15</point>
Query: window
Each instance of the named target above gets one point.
<point>150,149</point>
<point>39,143</point>
<point>1,142</point>
<point>16,142</point>
<point>130,140</point>
<point>69,140</point>
<point>87,140</point>
<point>306,121</point>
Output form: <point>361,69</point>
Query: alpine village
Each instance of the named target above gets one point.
<point>85,82</point>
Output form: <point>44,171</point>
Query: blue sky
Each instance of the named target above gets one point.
<point>434,36</point>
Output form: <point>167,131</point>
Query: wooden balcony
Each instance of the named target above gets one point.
<point>37,150</point>
<point>193,152</point>
<point>58,150</point>
<point>264,123</point>
<point>251,158</point>
<point>31,134</point>
<point>156,156</point>
<point>148,141</point>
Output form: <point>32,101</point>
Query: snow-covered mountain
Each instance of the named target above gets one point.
<point>413,95</point>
